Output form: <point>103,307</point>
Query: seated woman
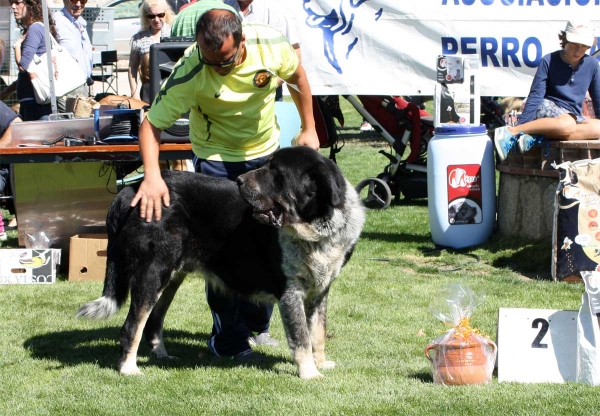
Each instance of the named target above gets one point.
<point>553,109</point>
<point>156,17</point>
<point>7,117</point>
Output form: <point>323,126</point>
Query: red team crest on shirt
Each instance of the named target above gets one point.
<point>261,78</point>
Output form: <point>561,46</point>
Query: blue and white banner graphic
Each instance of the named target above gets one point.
<point>389,47</point>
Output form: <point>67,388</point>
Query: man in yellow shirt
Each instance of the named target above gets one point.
<point>227,80</point>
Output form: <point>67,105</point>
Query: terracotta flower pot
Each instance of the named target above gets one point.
<point>460,361</point>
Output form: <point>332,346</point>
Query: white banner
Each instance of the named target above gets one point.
<point>389,47</point>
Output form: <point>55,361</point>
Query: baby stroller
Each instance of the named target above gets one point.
<point>402,124</point>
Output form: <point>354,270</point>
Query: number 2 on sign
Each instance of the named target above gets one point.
<point>543,330</point>
<point>537,345</point>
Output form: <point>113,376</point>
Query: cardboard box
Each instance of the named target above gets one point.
<point>87,257</point>
<point>28,265</point>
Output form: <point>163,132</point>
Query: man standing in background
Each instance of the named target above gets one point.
<point>72,34</point>
<point>267,12</point>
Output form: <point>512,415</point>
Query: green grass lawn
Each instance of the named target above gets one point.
<point>379,325</point>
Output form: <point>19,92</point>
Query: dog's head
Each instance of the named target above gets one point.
<point>466,212</point>
<point>295,185</point>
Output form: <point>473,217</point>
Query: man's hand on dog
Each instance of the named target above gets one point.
<point>151,195</point>
<point>307,138</point>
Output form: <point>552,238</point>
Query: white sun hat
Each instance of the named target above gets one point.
<point>580,32</point>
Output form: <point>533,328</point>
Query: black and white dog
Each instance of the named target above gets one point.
<point>293,223</point>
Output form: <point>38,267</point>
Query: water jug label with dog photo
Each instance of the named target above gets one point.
<point>464,194</point>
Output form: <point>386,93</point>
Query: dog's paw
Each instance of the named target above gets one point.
<point>311,376</point>
<point>160,352</point>
<point>326,365</point>
<point>131,371</point>
<point>165,357</point>
<point>310,373</point>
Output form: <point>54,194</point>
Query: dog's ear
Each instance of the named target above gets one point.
<point>332,186</point>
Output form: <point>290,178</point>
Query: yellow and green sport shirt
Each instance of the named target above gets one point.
<point>232,117</point>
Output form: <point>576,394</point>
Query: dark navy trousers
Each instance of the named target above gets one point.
<point>234,319</point>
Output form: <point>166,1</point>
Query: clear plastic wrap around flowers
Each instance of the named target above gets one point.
<point>461,355</point>
<point>36,235</point>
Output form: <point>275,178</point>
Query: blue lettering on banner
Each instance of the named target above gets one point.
<point>527,47</point>
<point>336,24</point>
<point>526,3</point>
<point>492,53</point>
<point>464,45</point>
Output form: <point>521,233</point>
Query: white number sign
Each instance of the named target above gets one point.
<point>537,345</point>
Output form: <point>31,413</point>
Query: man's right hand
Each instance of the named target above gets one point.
<point>151,195</point>
<point>153,191</point>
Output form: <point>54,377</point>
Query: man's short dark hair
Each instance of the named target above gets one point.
<point>215,26</point>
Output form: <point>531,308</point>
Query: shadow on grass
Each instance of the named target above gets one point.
<point>101,347</point>
<point>395,237</point>
<point>424,377</point>
<point>409,202</point>
<point>354,133</point>
<point>404,202</point>
<point>531,259</point>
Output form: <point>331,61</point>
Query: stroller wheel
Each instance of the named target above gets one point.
<point>374,193</point>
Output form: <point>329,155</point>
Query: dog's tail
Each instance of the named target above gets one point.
<point>116,285</point>
<point>100,308</point>
<point>113,296</point>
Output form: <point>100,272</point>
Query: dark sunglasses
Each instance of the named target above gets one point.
<point>224,64</point>
<point>74,2</point>
<point>153,16</point>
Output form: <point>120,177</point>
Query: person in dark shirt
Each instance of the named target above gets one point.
<point>553,109</point>
<point>7,117</point>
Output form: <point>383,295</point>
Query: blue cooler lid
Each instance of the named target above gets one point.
<point>460,129</point>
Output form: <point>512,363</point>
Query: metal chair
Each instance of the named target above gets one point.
<point>109,74</point>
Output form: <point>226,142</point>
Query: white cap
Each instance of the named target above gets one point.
<point>580,32</point>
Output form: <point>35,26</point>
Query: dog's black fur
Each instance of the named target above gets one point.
<point>293,223</point>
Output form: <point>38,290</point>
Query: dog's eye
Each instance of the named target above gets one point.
<point>278,180</point>
<point>276,176</point>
